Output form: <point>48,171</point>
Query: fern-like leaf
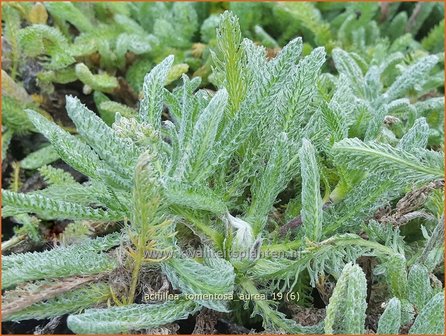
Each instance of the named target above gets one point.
<point>416,137</point>
<point>102,82</point>
<point>86,258</point>
<point>66,303</point>
<point>311,196</point>
<point>410,77</point>
<point>128,318</point>
<point>151,105</point>
<point>375,157</point>
<point>397,276</point>
<point>420,288</point>
<point>431,318</point>
<point>193,278</point>
<point>390,320</point>
<point>71,149</point>
<point>119,153</point>
<point>346,310</point>
<point>52,208</point>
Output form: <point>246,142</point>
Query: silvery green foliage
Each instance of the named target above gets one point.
<point>151,105</point>
<point>66,303</point>
<point>220,164</point>
<point>431,318</point>
<point>86,258</point>
<point>416,137</point>
<point>397,276</point>
<point>390,320</point>
<point>311,197</point>
<point>371,156</point>
<point>374,99</point>
<point>47,207</point>
<point>40,157</point>
<point>419,284</point>
<point>346,310</point>
<point>124,319</point>
<point>194,278</point>
<point>433,252</point>
<point>326,257</point>
<point>115,152</point>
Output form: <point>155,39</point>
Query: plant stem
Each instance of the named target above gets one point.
<point>137,263</point>
<point>341,240</point>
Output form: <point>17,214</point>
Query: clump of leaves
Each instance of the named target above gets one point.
<point>218,167</point>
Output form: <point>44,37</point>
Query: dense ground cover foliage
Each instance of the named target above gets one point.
<point>223,167</point>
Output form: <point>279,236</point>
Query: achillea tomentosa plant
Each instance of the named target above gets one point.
<point>345,146</point>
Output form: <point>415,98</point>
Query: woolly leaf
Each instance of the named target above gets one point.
<point>420,288</point>
<point>376,157</point>
<point>309,16</point>
<point>416,137</point>
<point>397,276</point>
<point>411,76</point>
<point>432,104</point>
<point>203,138</point>
<point>39,158</point>
<point>229,59</point>
<point>39,39</point>
<point>348,67</point>
<point>434,40</point>
<point>335,121</point>
<point>390,320</point>
<point>6,140</point>
<point>274,320</point>
<point>49,208</point>
<point>153,90</point>
<point>431,318</point>
<point>66,11</point>
<point>14,116</point>
<point>177,26</point>
<point>110,109</point>
<point>65,303</point>
<point>197,198</point>
<point>300,92</point>
<point>360,204</point>
<point>70,149</point>
<point>101,82</point>
<point>311,212</point>
<point>193,278</point>
<point>56,176</point>
<point>346,309</point>
<point>124,319</point>
<point>119,153</point>
<point>82,259</point>
<point>271,181</point>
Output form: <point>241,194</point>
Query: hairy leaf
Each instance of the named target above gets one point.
<point>124,319</point>
<point>346,310</point>
<point>311,196</point>
<point>194,278</point>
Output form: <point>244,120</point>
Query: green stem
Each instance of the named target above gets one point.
<point>282,247</point>
<point>136,269</point>
<point>348,239</point>
<point>342,240</point>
